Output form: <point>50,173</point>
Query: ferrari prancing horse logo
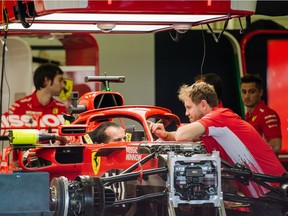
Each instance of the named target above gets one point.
<point>95,163</point>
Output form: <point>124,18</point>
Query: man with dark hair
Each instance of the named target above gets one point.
<point>214,80</point>
<point>49,82</point>
<point>105,133</point>
<point>264,119</point>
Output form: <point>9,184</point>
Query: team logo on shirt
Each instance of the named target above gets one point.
<point>254,118</point>
<point>55,111</point>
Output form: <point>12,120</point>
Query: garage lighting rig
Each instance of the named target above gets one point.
<point>114,16</point>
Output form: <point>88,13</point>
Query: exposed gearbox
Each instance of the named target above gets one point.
<point>194,180</point>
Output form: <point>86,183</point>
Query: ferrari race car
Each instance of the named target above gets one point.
<point>141,176</point>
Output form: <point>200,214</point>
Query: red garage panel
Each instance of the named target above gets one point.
<point>277,79</point>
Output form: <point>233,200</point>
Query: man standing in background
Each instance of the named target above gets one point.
<point>214,80</point>
<point>29,110</point>
<point>264,119</point>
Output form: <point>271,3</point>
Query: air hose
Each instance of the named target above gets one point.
<point>33,137</point>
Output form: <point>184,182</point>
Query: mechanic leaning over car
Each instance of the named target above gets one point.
<point>264,119</point>
<point>48,81</point>
<point>223,130</point>
<point>106,132</point>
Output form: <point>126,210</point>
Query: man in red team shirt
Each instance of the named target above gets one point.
<point>264,119</point>
<point>49,82</point>
<point>223,130</point>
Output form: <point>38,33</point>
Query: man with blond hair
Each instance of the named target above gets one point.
<point>223,130</point>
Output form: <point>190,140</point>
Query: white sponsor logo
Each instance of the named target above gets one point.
<point>132,153</point>
<point>26,121</point>
<point>132,149</point>
<point>270,116</point>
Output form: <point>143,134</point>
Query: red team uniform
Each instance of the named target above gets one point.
<point>27,112</point>
<point>30,104</point>
<point>225,132</point>
<point>266,121</point>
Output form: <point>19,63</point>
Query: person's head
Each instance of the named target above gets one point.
<point>251,90</point>
<point>108,132</point>
<point>199,99</point>
<point>212,79</point>
<point>49,76</point>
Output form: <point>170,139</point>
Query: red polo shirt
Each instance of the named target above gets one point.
<point>27,112</point>
<point>238,142</point>
<point>30,105</point>
<point>266,121</point>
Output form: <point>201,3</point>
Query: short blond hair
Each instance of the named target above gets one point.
<point>198,92</point>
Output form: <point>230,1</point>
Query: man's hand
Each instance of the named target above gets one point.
<point>158,129</point>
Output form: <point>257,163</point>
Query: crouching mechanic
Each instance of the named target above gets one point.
<point>223,130</point>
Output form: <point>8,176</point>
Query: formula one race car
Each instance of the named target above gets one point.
<point>141,176</point>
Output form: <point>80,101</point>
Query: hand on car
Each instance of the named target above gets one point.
<point>158,129</point>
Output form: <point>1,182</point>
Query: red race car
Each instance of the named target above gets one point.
<point>141,176</point>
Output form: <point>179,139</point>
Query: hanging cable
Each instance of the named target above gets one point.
<point>248,23</point>
<point>221,33</point>
<point>4,42</point>
<point>2,75</point>
<point>22,14</point>
<point>5,18</point>
<point>204,51</point>
<point>177,36</point>
<point>5,28</point>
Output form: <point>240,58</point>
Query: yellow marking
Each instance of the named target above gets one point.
<point>96,161</point>
<point>128,137</point>
<point>65,93</point>
<point>88,139</point>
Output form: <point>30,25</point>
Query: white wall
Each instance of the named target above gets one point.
<point>129,55</point>
<point>18,78</point>
<point>132,56</point>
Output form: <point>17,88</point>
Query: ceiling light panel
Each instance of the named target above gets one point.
<point>126,18</point>
<point>49,27</point>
